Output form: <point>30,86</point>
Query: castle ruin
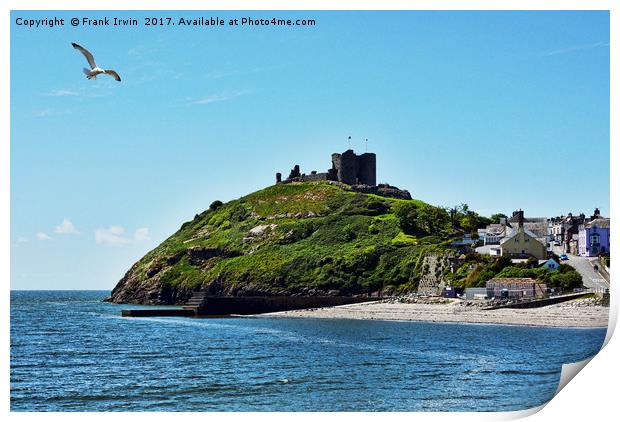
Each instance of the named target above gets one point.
<point>348,168</point>
<point>359,172</point>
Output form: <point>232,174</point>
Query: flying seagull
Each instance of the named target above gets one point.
<point>94,69</point>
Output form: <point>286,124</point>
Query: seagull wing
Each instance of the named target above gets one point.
<point>86,53</point>
<point>113,74</point>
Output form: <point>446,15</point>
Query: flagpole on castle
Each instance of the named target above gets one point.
<point>349,140</point>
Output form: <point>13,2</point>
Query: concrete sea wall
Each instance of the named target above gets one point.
<point>250,305</point>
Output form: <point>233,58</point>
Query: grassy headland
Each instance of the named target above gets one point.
<point>297,238</point>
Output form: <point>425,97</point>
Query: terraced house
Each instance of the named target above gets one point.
<point>594,236</point>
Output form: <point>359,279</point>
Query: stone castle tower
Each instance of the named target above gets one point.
<point>354,169</point>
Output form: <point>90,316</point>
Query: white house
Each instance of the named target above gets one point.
<point>494,234</point>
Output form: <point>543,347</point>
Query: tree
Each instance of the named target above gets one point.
<point>495,218</point>
<point>455,213</point>
<point>567,280</point>
<point>215,205</point>
<point>422,219</point>
<point>407,214</point>
<point>433,219</point>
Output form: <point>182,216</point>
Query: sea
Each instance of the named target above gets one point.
<point>72,352</point>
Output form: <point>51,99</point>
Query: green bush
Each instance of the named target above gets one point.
<point>408,217</point>
<point>567,280</point>
<point>215,205</point>
<point>358,204</point>
<point>421,219</point>
<point>238,213</point>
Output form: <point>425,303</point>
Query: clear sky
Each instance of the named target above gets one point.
<point>500,110</point>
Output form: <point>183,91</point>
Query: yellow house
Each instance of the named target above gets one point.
<point>523,244</point>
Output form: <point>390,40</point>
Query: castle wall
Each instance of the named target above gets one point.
<point>314,177</point>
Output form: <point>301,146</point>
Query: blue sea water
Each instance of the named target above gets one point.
<point>72,352</point>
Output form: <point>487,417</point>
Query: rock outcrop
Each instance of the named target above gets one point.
<point>383,190</point>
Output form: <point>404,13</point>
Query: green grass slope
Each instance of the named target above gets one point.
<point>298,238</point>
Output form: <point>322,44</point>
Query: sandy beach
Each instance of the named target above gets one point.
<point>576,313</point>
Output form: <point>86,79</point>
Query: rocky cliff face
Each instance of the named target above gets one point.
<point>132,288</point>
<point>288,239</point>
<point>432,281</point>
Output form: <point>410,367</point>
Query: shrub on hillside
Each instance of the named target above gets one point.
<point>421,219</point>
<point>215,205</point>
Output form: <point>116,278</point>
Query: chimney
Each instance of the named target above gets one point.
<point>520,219</point>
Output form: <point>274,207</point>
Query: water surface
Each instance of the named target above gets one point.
<point>71,352</point>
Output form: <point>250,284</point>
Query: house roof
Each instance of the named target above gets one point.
<point>538,228</point>
<point>512,232</point>
<point>550,260</point>
<point>495,228</point>
<point>603,223</point>
<point>513,280</point>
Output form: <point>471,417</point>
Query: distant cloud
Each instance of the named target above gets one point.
<point>61,93</point>
<point>141,234</point>
<point>145,64</point>
<point>138,50</point>
<point>156,72</point>
<point>218,74</point>
<point>214,98</point>
<point>115,236</point>
<point>94,89</point>
<point>150,48</point>
<point>20,241</point>
<point>112,236</point>
<point>43,236</point>
<point>44,113</point>
<point>49,113</point>
<point>576,48</point>
<point>66,227</point>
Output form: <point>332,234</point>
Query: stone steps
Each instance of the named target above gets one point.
<point>195,302</point>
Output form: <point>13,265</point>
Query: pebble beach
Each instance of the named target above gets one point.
<point>577,313</point>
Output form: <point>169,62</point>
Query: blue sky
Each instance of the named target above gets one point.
<point>500,110</point>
